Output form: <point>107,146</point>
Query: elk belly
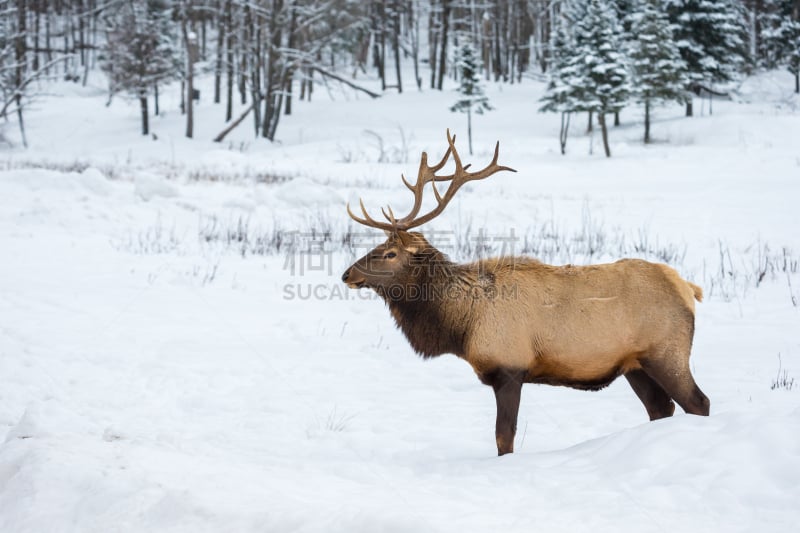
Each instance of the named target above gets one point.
<point>581,372</point>
<point>584,342</point>
<point>590,343</point>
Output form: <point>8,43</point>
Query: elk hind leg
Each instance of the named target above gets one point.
<point>674,376</point>
<point>655,400</point>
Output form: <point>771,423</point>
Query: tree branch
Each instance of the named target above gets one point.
<point>347,82</point>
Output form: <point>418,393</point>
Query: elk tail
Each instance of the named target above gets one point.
<point>697,290</point>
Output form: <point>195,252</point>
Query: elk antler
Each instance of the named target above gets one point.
<point>427,174</point>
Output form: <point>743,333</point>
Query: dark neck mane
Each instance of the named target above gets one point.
<point>434,310</point>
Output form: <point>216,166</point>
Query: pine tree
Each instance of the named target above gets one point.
<point>141,51</point>
<point>792,32</point>
<point>711,35</point>
<point>771,45</point>
<point>600,68</point>
<point>470,88</point>
<point>658,72</point>
<point>624,9</point>
<point>780,37</point>
<point>574,11</point>
<point>561,96</point>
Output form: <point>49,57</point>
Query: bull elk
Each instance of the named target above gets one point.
<point>516,320</point>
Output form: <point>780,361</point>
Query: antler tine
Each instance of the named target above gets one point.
<point>437,167</point>
<point>494,159</point>
<point>451,141</point>
<point>459,177</point>
<point>368,220</point>
<point>436,192</point>
<point>427,174</point>
<point>406,183</point>
<point>390,216</point>
<point>456,157</point>
<point>492,167</point>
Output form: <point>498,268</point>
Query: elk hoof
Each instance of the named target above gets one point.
<point>504,446</point>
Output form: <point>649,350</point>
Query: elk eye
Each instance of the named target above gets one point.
<point>390,255</point>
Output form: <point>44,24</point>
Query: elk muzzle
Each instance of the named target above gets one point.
<point>353,278</point>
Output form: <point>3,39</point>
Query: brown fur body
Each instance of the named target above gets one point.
<point>516,320</point>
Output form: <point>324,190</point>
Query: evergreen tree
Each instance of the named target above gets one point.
<point>780,36</point>
<point>141,51</point>
<point>625,8</point>
<point>791,29</point>
<point>470,88</point>
<point>658,72</point>
<point>561,96</point>
<point>711,35</point>
<point>600,68</point>
<point>574,11</point>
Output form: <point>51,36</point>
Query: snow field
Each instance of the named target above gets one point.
<point>154,380</point>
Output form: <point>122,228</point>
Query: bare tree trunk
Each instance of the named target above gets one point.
<point>253,42</point>
<point>19,72</point>
<point>378,21</point>
<point>273,125</point>
<point>287,108</point>
<point>601,117</point>
<point>22,127</point>
<point>232,126</point>
<point>145,117</point>
<point>36,26</point>
<point>434,45</point>
<point>66,32</point>
<point>243,69</point>
<point>469,128</point>
<point>647,121</point>
<point>204,34</point>
<point>155,100</point>
<point>589,123</point>
<point>229,59</point>
<point>273,78</point>
<point>689,108</point>
<point>443,48</point>
<point>190,44</point>
<point>616,118</point>
<point>396,44</point>
<point>309,79</point>
<point>562,136</point>
<point>486,46</point>
<point>90,23</point>
<point>291,45</point>
<point>95,17</point>
<point>498,61</point>
<point>81,32</point>
<point>433,40</point>
<point>218,62</point>
<point>48,45</point>
<point>414,24</point>
<point>347,82</point>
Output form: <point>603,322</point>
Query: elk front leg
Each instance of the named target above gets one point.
<point>507,385</point>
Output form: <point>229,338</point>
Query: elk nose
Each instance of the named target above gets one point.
<point>346,274</point>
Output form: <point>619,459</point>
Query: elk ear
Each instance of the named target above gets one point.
<point>409,241</point>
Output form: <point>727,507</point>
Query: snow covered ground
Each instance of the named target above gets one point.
<point>163,369</point>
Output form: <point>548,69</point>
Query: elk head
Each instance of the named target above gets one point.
<point>390,264</point>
